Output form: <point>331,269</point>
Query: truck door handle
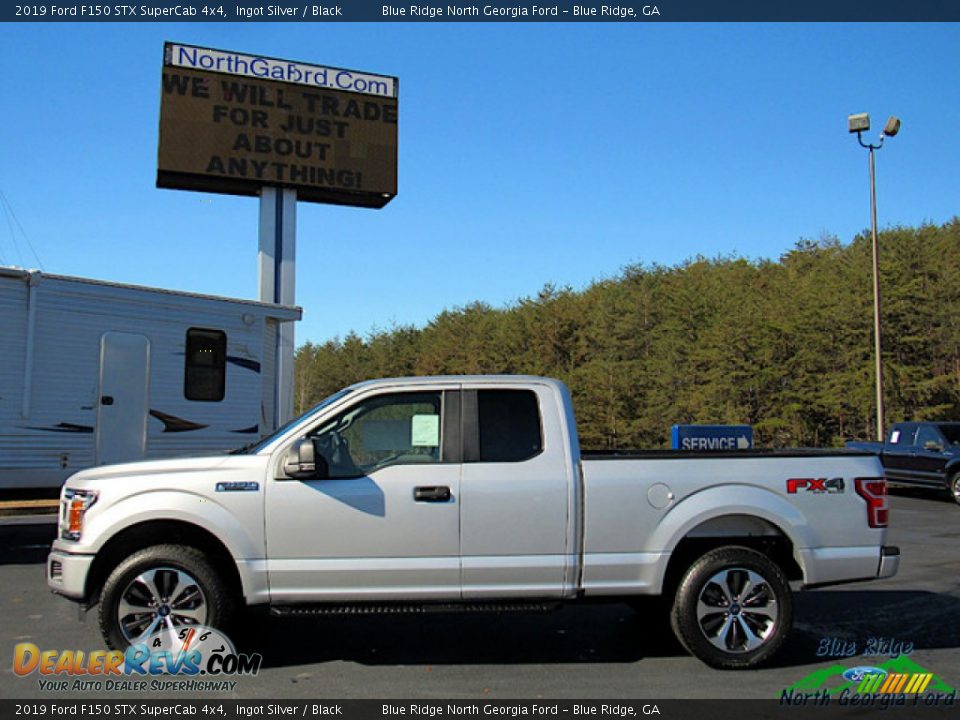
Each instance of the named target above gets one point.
<point>440,493</point>
<point>106,400</point>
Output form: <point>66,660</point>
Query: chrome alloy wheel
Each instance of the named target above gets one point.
<point>737,610</point>
<point>157,599</point>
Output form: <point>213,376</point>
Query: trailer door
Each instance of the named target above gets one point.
<point>123,400</point>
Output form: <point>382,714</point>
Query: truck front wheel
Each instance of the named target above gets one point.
<point>954,486</point>
<point>158,588</point>
<point>733,608</point>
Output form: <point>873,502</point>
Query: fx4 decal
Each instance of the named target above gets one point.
<point>814,485</point>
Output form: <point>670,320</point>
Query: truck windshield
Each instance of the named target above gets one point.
<point>256,447</point>
<point>951,433</point>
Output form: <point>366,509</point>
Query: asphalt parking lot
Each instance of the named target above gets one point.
<point>594,651</point>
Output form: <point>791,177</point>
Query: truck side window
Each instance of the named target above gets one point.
<point>926,434</point>
<point>380,431</point>
<point>205,368</point>
<point>509,425</point>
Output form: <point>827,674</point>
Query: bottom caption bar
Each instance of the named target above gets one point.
<point>444,709</point>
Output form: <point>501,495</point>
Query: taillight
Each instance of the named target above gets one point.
<point>874,491</point>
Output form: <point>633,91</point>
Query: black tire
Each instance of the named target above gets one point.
<point>747,629</point>
<point>953,487</point>
<point>197,594</point>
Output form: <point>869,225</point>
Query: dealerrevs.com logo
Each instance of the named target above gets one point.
<point>191,659</point>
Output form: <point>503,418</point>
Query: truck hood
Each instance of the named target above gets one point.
<point>152,470</point>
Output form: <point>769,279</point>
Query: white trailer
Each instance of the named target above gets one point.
<point>93,373</point>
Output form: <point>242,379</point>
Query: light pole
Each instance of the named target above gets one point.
<point>860,124</point>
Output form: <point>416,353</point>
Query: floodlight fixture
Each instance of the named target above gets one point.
<point>892,127</point>
<point>858,123</point>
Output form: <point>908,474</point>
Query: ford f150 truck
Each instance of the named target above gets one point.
<point>424,493</point>
<point>926,454</point>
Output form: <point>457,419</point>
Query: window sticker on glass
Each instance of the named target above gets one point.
<point>895,437</point>
<point>425,430</point>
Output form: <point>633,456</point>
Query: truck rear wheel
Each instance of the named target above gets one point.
<point>159,587</point>
<point>733,608</point>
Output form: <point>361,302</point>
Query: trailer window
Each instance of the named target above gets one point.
<point>509,425</point>
<point>205,370</point>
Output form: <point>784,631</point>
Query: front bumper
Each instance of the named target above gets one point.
<point>67,574</point>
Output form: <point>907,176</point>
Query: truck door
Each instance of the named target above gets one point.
<point>123,398</point>
<point>932,456</point>
<point>384,522</point>
<point>515,495</point>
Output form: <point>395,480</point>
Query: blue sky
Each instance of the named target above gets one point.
<point>529,154</point>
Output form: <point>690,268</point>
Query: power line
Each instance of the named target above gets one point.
<point>9,213</point>
<point>13,237</point>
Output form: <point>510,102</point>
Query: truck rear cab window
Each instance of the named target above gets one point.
<point>205,369</point>
<point>951,433</point>
<point>509,425</point>
<point>902,434</point>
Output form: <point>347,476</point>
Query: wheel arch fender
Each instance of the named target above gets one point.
<point>750,510</point>
<point>132,524</point>
<point>190,508</point>
<point>953,467</point>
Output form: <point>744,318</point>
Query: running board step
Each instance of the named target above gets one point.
<point>519,606</point>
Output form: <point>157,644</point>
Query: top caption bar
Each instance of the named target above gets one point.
<point>493,11</point>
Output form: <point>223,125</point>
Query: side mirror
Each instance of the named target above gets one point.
<point>933,445</point>
<point>303,462</point>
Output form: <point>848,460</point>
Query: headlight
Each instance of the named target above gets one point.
<point>73,507</point>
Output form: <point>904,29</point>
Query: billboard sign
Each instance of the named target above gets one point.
<point>234,123</point>
<point>711,437</point>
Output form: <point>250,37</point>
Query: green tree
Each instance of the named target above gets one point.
<point>785,346</point>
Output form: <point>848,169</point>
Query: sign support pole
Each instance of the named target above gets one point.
<point>277,270</point>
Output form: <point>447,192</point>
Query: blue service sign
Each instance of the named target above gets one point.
<point>711,437</point>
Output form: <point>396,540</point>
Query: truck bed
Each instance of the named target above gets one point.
<point>635,510</point>
<point>664,454</point>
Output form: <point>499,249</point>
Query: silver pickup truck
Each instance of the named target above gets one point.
<point>468,491</point>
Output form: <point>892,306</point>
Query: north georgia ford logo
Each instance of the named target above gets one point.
<point>184,651</point>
